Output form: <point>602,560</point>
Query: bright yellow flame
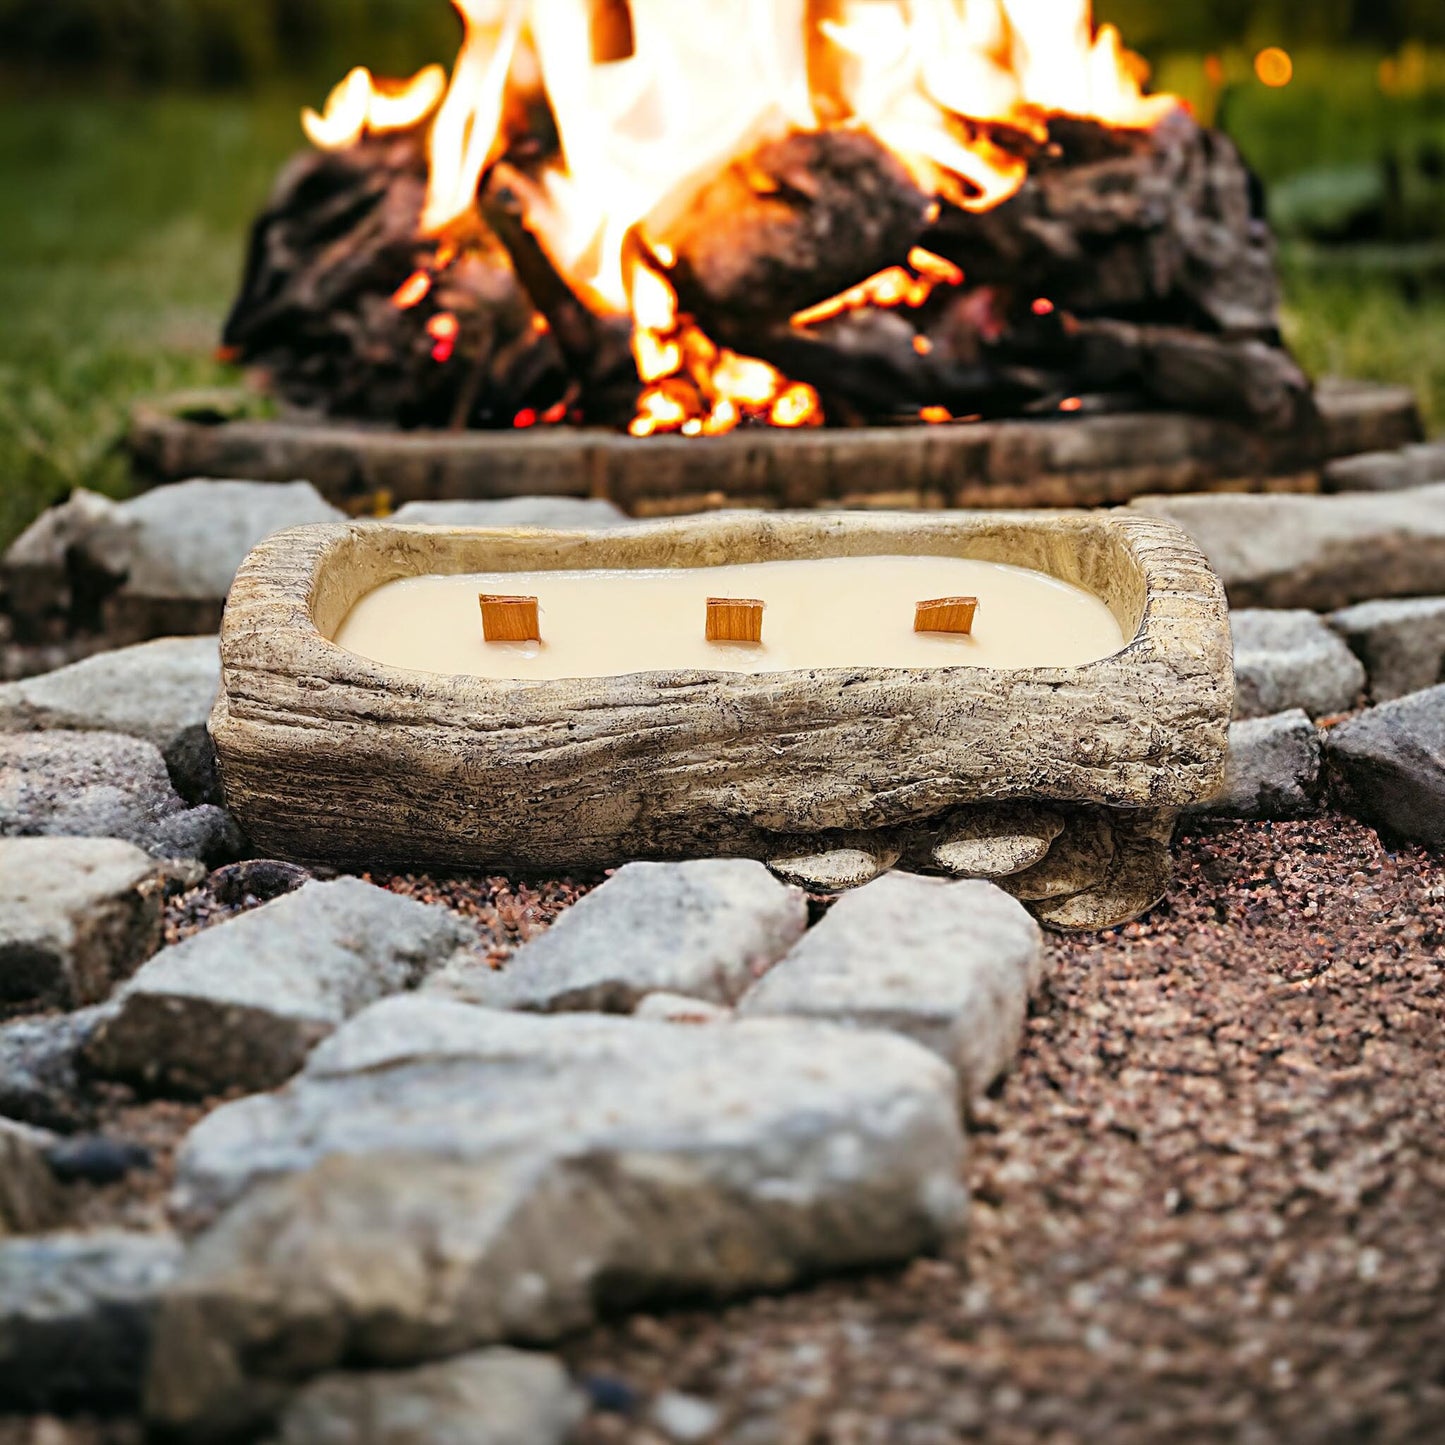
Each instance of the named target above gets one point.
<point>361,104</point>
<point>1274,67</point>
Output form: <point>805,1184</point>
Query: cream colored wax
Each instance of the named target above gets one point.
<point>828,612</point>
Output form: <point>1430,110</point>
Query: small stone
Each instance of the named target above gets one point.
<point>1401,643</point>
<point>257,880</point>
<point>96,1160</point>
<point>557,513</point>
<point>29,1196</point>
<point>105,785</point>
<point>706,929</point>
<point>159,691</point>
<point>677,1008</point>
<point>491,1397</point>
<point>40,1077</point>
<point>1289,660</point>
<point>443,1177</point>
<point>76,1312</point>
<point>76,916</point>
<point>1273,770</point>
<point>686,1419</point>
<point>995,842</point>
<point>1388,766</point>
<point>951,965</point>
<point>242,1004</point>
<point>836,867</point>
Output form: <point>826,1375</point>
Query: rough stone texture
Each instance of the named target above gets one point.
<point>104,785</point>
<point>76,915</point>
<point>562,513</point>
<point>995,843</point>
<point>242,1004</point>
<point>707,928</point>
<point>835,865</point>
<point>1273,772</point>
<point>951,964</point>
<point>442,1176</point>
<point>1316,552</point>
<point>161,691</point>
<point>1289,660</point>
<point>29,1194</point>
<point>491,1397</point>
<point>1401,643</point>
<point>1388,766</point>
<point>1413,466</point>
<point>76,1312</point>
<point>40,1076</point>
<point>470,772</point>
<point>1078,860</point>
<point>1136,879</point>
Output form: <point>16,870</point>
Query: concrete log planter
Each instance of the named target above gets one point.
<point>1061,783</point>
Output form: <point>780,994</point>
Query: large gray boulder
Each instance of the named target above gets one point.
<point>950,964</point>
<point>29,1196</point>
<point>76,916</point>
<point>75,1317</point>
<point>1273,770</point>
<point>1401,643</point>
<point>441,1177</point>
<point>489,1397</point>
<point>104,785</point>
<point>1388,766</point>
<point>242,1004</point>
<point>707,928</point>
<point>160,691</point>
<point>559,513</point>
<point>1317,552</point>
<point>1289,660</point>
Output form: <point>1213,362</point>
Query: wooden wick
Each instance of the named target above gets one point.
<point>946,614</point>
<point>510,619</point>
<point>734,619</point>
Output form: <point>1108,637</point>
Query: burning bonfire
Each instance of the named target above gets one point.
<point>695,215</point>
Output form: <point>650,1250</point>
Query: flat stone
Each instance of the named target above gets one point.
<point>951,965</point>
<point>560,513</point>
<point>1388,766</point>
<point>995,842</point>
<point>1288,660</point>
<point>1273,769</point>
<point>242,1004</point>
<point>1400,642</point>
<point>1417,465</point>
<point>491,1397</point>
<point>836,866</point>
<point>105,785</point>
<point>76,916</point>
<point>41,1081</point>
<point>1317,552</point>
<point>29,1195</point>
<point>443,1177</point>
<point>76,1312</point>
<point>706,928</point>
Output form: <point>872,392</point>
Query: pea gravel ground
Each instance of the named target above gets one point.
<point>1209,1205</point>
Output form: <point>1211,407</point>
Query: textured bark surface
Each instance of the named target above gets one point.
<point>328,757</point>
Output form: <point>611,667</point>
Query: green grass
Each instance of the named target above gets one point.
<point>124,223</point>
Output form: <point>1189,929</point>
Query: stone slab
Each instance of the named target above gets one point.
<point>1401,643</point>
<point>1285,660</point>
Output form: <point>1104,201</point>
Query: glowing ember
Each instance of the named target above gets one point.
<point>412,292</point>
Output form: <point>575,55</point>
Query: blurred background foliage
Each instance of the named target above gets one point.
<point>139,137</point>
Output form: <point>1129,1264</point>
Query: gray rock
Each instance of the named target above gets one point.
<point>104,785</point>
<point>951,964</point>
<point>1401,643</point>
<point>1412,466</point>
<point>1273,770</point>
<point>491,1397</point>
<point>76,916</point>
<point>29,1196</point>
<point>41,1081</point>
<point>1317,552</point>
<point>1288,660</point>
<point>685,1419</point>
<point>677,1008</point>
<point>706,928</point>
<point>76,1312</point>
<point>242,1004</point>
<point>1388,766</point>
<point>443,1177</point>
<point>560,513</point>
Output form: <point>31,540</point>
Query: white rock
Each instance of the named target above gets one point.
<point>706,928</point>
<point>558,513</point>
<point>1401,643</point>
<point>685,1418</point>
<point>1273,770</point>
<point>1289,660</point>
<point>76,916</point>
<point>951,964</point>
<point>241,1005</point>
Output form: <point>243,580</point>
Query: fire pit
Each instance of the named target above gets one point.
<point>1060,781</point>
<point>822,216</point>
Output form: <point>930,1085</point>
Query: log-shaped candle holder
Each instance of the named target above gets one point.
<point>1061,783</point>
